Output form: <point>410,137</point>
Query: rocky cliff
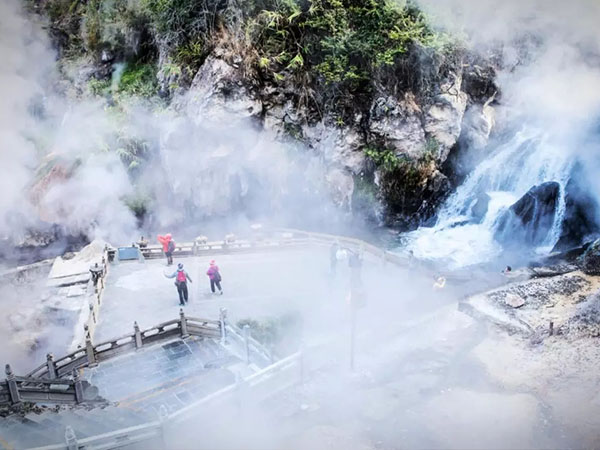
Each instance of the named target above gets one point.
<point>390,120</point>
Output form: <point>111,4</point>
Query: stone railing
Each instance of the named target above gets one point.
<point>94,305</point>
<point>92,354</point>
<point>157,434</point>
<point>280,238</point>
<point>39,390</point>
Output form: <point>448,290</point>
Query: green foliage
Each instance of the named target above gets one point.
<point>99,87</point>
<point>383,158</point>
<point>138,79</point>
<point>180,22</point>
<point>139,204</point>
<point>344,41</point>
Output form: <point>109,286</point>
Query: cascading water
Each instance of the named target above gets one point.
<point>458,238</point>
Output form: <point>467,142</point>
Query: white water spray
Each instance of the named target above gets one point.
<point>528,159</point>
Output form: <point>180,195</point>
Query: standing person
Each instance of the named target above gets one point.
<point>181,278</point>
<point>215,277</point>
<point>168,246</point>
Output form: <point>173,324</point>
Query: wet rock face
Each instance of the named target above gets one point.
<point>530,219</point>
<point>590,260</point>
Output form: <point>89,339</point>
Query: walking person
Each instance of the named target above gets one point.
<point>181,279</point>
<point>168,245</point>
<point>215,277</point>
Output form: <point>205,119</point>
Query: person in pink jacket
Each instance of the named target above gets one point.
<point>168,245</point>
<point>215,277</point>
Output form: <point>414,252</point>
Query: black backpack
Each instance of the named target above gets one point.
<point>171,246</point>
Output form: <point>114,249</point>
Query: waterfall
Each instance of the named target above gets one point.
<point>529,158</point>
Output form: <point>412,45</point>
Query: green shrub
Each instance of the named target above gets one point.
<point>138,79</point>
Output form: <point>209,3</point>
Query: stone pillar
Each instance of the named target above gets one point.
<point>222,324</point>
<point>11,383</point>
<point>78,386</point>
<point>246,331</point>
<point>70,439</point>
<point>51,366</point>
<point>138,335</point>
<point>89,349</point>
<point>183,322</point>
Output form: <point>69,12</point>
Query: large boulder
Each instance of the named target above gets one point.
<point>581,213</point>
<point>590,260</point>
<point>531,218</point>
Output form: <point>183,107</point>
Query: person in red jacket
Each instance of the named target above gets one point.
<point>168,245</point>
<point>215,277</point>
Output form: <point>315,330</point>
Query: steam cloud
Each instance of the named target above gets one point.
<point>192,171</point>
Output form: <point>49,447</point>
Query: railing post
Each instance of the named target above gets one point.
<point>51,366</point>
<point>70,439</point>
<point>13,389</point>
<point>246,330</point>
<point>222,318</point>
<point>183,321</point>
<point>89,348</point>
<point>163,416</point>
<point>138,335</point>
<point>78,386</point>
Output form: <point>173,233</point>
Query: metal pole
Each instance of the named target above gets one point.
<point>246,330</point>
<point>352,335</point>
<point>222,317</point>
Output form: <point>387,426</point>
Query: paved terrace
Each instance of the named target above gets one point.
<point>257,286</point>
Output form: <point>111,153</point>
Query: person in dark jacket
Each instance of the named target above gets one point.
<point>181,279</point>
<point>215,277</point>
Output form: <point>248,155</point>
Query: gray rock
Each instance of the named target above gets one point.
<point>590,260</point>
<point>398,123</point>
<point>514,301</point>
<point>340,147</point>
<point>218,96</point>
<point>444,118</point>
